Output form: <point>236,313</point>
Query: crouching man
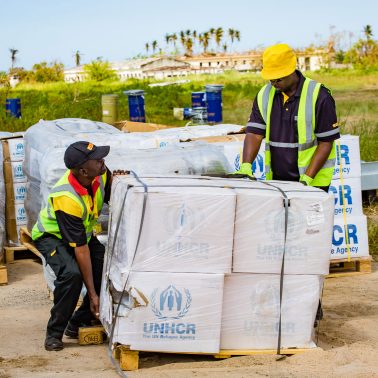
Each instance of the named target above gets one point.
<point>64,236</point>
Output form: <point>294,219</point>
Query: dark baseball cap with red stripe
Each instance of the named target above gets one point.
<point>79,152</point>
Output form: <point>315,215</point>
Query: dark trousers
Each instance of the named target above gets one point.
<point>69,282</point>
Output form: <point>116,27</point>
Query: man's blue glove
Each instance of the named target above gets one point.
<point>245,170</point>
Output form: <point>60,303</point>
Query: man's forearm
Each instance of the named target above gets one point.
<point>252,143</point>
<point>83,258</point>
<point>320,157</point>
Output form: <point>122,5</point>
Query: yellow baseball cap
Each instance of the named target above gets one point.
<point>278,61</point>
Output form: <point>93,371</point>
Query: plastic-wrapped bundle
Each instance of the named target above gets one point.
<point>198,158</point>
<point>168,233</point>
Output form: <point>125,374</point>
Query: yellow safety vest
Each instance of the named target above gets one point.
<point>90,208</point>
<point>307,139</point>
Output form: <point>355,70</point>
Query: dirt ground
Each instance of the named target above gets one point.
<point>348,337</point>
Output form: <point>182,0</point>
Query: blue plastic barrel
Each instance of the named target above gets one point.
<point>187,112</point>
<point>136,105</point>
<point>198,99</point>
<point>13,107</point>
<point>214,103</point>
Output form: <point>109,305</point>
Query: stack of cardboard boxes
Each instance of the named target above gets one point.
<point>200,259</point>
<point>15,187</point>
<point>350,227</point>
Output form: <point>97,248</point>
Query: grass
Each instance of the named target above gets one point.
<point>355,93</point>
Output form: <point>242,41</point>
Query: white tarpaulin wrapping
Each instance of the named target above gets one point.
<point>251,307</point>
<point>183,214</point>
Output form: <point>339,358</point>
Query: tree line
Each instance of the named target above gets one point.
<point>214,40</point>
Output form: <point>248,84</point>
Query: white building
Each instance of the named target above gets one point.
<point>165,67</point>
<point>157,68</point>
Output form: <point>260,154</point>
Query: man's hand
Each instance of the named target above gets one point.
<point>305,180</point>
<point>245,170</point>
<point>94,303</point>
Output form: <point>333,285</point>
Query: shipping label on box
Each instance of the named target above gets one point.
<point>251,309</point>
<point>19,190</point>
<point>348,161</point>
<point>348,196</point>
<point>177,312</point>
<point>16,149</point>
<point>354,233</point>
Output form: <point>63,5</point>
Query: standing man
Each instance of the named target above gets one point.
<point>297,118</point>
<point>64,236</point>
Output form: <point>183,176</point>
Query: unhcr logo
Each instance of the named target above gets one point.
<point>182,218</point>
<point>21,190</point>
<point>20,147</point>
<point>171,303</point>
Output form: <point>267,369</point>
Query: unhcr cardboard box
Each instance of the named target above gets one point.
<point>353,234</point>
<point>251,309</point>
<point>259,237</point>
<point>348,197</point>
<point>174,312</point>
<point>186,226</point>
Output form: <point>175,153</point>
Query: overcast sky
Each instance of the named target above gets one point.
<point>48,30</point>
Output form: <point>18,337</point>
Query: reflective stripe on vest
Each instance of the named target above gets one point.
<point>307,141</point>
<point>47,220</point>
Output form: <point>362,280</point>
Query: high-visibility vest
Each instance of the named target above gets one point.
<point>307,142</point>
<point>90,208</point>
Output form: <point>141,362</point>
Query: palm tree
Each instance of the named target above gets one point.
<point>218,36</point>
<point>13,56</point>
<point>183,39</point>
<point>231,34</point>
<point>237,35</point>
<point>224,46</point>
<point>154,45</point>
<point>368,31</point>
<point>77,58</point>
<point>206,38</point>
<point>147,46</point>
<point>167,38</point>
<point>188,33</point>
<point>174,39</point>
<point>189,47</point>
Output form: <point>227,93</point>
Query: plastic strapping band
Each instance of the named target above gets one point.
<point>110,354</point>
<point>286,202</point>
<point>346,231</point>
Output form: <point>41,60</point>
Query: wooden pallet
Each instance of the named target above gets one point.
<point>129,359</point>
<point>3,275</point>
<point>27,245</point>
<point>355,266</point>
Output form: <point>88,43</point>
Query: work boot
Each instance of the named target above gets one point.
<point>53,344</point>
<point>72,331</point>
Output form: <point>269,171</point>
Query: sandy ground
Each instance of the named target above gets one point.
<point>348,337</point>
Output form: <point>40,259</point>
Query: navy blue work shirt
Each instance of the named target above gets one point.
<point>284,128</point>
